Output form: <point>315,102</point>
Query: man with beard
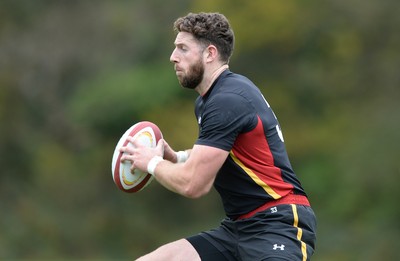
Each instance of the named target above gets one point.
<point>240,151</point>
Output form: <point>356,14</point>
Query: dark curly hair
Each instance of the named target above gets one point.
<point>209,28</point>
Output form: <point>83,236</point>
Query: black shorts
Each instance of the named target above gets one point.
<point>283,232</point>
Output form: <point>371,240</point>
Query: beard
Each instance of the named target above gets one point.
<point>194,76</point>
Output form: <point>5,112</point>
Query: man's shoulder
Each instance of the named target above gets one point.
<point>233,82</point>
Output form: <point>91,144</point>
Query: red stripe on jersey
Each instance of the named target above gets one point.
<point>252,153</point>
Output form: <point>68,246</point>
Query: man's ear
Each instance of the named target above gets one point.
<point>211,53</point>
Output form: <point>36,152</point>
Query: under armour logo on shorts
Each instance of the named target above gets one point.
<point>281,247</point>
<point>274,210</point>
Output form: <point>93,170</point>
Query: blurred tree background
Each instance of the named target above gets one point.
<point>74,75</point>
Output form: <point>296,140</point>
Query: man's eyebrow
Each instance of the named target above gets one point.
<point>179,44</point>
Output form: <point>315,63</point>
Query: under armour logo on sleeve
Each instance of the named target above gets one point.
<point>281,247</point>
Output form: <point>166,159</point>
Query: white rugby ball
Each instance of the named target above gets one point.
<point>148,134</point>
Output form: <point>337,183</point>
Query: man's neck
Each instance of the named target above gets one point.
<point>208,81</point>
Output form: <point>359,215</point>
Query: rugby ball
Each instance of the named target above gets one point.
<point>147,134</point>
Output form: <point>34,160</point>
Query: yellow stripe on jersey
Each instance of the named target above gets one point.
<point>255,178</point>
<point>299,232</point>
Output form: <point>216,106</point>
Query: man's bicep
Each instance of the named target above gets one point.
<point>208,156</point>
<point>205,161</point>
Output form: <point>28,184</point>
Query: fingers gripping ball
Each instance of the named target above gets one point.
<point>148,134</point>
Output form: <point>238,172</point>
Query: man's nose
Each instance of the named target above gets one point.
<point>173,58</point>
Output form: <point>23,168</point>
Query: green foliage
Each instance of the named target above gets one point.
<point>117,99</point>
<point>74,76</point>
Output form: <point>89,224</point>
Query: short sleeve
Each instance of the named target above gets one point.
<point>224,117</point>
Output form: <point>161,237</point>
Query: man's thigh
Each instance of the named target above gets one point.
<point>284,231</point>
<point>209,249</point>
<point>175,251</point>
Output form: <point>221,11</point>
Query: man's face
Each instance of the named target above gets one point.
<point>188,60</point>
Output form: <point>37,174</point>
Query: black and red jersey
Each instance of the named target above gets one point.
<point>234,116</point>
